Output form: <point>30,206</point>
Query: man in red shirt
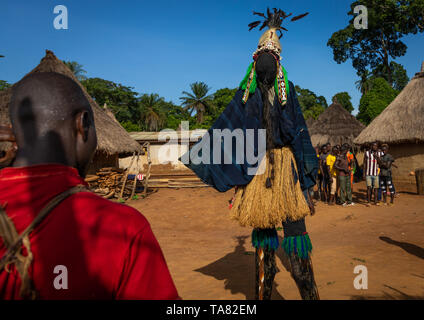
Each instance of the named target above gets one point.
<point>87,247</point>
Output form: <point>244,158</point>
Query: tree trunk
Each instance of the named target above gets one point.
<point>419,177</point>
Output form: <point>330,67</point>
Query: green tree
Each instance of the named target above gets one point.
<point>388,22</point>
<point>4,85</point>
<point>314,112</point>
<point>343,98</point>
<point>363,84</point>
<point>151,116</point>
<point>122,100</point>
<point>198,100</point>
<point>399,76</point>
<point>311,104</point>
<point>174,115</point>
<point>221,99</point>
<point>76,69</point>
<point>375,100</point>
<point>130,127</point>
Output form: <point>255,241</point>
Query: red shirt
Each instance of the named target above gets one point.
<point>108,249</point>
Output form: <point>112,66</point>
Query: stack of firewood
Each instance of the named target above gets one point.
<point>106,182</point>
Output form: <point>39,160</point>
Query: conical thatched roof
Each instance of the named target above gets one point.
<point>403,119</point>
<point>111,137</point>
<point>309,122</point>
<point>335,125</point>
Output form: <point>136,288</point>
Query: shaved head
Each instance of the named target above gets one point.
<point>52,121</point>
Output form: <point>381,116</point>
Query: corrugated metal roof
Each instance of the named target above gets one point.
<point>154,136</point>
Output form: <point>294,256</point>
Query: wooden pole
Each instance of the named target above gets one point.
<point>149,164</point>
<point>126,177</point>
<point>419,177</point>
<point>135,178</point>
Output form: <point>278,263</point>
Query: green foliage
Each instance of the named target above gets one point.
<point>375,100</point>
<point>343,98</point>
<point>174,115</point>
<point>122,100</point>
<point>311,104</point>
<point>221,99</point>
<point>111,93</point>
<point>313,112</point>
<point>399,78</point>
<point>76,69</point>
<point>4,85</point>
<point>198,100</point>
<point>388,22</point>
<point>130,127</point>
<point>151,115</point>
<point>363,84</point>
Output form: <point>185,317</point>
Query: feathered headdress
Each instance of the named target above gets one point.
<point>270,41</point>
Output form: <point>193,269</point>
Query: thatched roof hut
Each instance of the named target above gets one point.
<point>401,125</point>
<point>309,123</point>
<point>403,120</point>
<point>335,125</point>
<point>113,140</point>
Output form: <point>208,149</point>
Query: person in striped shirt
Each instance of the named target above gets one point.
<point>371,172</point>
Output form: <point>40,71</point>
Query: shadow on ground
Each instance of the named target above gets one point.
<point>408,247</point>
<point>394,294</point>
<point>237,270</point>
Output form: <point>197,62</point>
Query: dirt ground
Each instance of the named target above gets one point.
<point>211,257</point>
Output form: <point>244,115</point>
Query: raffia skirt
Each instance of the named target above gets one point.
<point>257,206</point>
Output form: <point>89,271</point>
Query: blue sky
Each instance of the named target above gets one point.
<point>163,46</point>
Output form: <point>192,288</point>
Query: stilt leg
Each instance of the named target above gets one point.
<point>265,273</point>
<point>303,274</point>
<point>260,274</point>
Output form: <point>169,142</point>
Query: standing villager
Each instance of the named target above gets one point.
<point>371,172</point>
<point>344,166</point>
<point>385,162</point>
<point>267,101</point>
<point>326,179</point>
<point>352,162</point>
<point>331,160</point>
<point>319,175</point>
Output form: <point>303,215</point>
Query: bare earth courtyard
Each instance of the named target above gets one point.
<point>211,257</point>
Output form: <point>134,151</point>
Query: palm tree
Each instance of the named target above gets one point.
<point>151,112</point>
<point>198,100</point>
<point>364,83</point>
<point>76,69</point>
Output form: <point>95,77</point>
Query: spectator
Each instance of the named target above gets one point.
<point>325,173</point>
<point>344,166</point>
<point>385,162</point>
<point>371,171</point>
<point>330,161</point>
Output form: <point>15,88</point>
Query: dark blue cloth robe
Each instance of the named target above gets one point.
<point>289,129</point>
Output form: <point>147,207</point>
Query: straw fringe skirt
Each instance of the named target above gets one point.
<point>260,207</point>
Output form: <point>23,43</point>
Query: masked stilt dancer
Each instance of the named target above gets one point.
<point>277,192</point>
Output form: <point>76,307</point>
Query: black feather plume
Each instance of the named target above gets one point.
<point>259,14</point>
<point>273,19</point>
<point>253,25</point>
<point>299,16</point>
